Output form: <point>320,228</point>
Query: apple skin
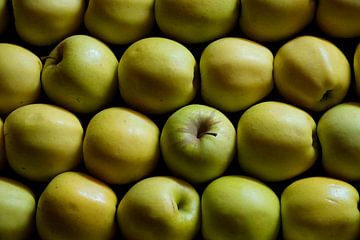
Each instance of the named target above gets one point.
<point>356,63</point>
<point>198,143</point>
<point>120,21</point>
<point>75,205</point>
<point>42,140</point>
<point>312,73</point>
<point>338,131</point>
<point>20,71</point>
<point>198,21</point>
<point>3,161</point>
<point>276,141</point>
<point>111,145</point>
<point>80,74</point>
<point>17,207</point>
<point>320,208</point>
<point>275,20</point>
<point>159,207</point>
<point>157,75</point>
<point>4,16</point>
<point>339,18</point>
<point>235,73</point>
<point>46,22</point>
<point>239,207</point>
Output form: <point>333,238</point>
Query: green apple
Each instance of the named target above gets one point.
<point>77,206</point>
<point>198,143</point>
<point>159,207</point>
<point>196,21</point>
<point>20,71</point>
<point>239,208</point>
<point>276,141</point>
<point>121,145</point>
<point>312,73</point>
<point>120,21</point>
<point>274,20</point>
<point>356,64</point>
<point>80,74</point>
<point>42,140</point>
<point>46,22</point>
<point>339,135</point>
<point>339,18</point>
<point>2,146</point>
<point>157,75</point>
<point>320,208</point>
<point>235,73</point>
<point>17,210</point>
<point>4,15</point>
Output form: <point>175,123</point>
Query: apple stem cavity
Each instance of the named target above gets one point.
<point>326,96</point>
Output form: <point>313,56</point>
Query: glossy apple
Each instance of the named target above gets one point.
<point>198,143</point>
<point>4,15</point>
<point>121,145</point>
<point>159,208</point>
<point>356,65</point>
<point>80,74</point>
<point>2,146</point>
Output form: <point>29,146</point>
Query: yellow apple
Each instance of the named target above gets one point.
<point>312,73</point>
<point>17,210</point>
<point>120,21</point>
<point>42,140</point>
<point>157,75</point>
<point>77,206</point>
<point>339,18</point>
<point>320,208</point>
<point>235,73</point>
<point>46,22</point>
<point>2,146</point>
<point>4,16</point>
<point>276,141</point>
<point>356,64</point>
<point>239,208</point>
<point>274,20</point>
<point>196,21</point>
<point>121,145</point>
<point>20,71</point>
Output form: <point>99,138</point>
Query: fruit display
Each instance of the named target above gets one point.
<point>179,119</point>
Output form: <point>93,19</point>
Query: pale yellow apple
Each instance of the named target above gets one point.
<point>276,141</point>
<point>42,140</point>
<point>339,135</point>
<point>235,73</point>
<point>120,21</point>
<point>46,22</point>
<point>339,18</point>
<point>159,208</point>
<point>196,21</point>
<point>239,208</point>
<point>320,208</point>
<point>312,73</point>
<point>20,71</point>
<point>157,75</point>
<point>356,64</point>
<point>77,206</point>
<point>17,210</point>
<point>4,15</point>
<point>121,145</point>
<point>80,74</point>
<point>2,146</point>
<point>274,20</point>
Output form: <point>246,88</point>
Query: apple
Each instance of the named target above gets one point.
<point>80,74</point>
<point>239,207</point>
<point>235,73</point>
<point>338,132</point>
<point>312,73</point>
<point>198,143</point>
<point>42,140</point>
<point>198,21</point>
<point>159,207</point>
<point>4,16</point>
<point>339,18</point>
<point>320,208</point>
<point>157,75</point>
<point>20,71</point>
<point>120,21</point>
<point>46,22</point>
<point>75,205</point>
<point>356,64</point>
<point>275,20</point>
<point>17,208</point>
<point>121,145</point>
<point>276,141</point>
<point>2,146</point>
